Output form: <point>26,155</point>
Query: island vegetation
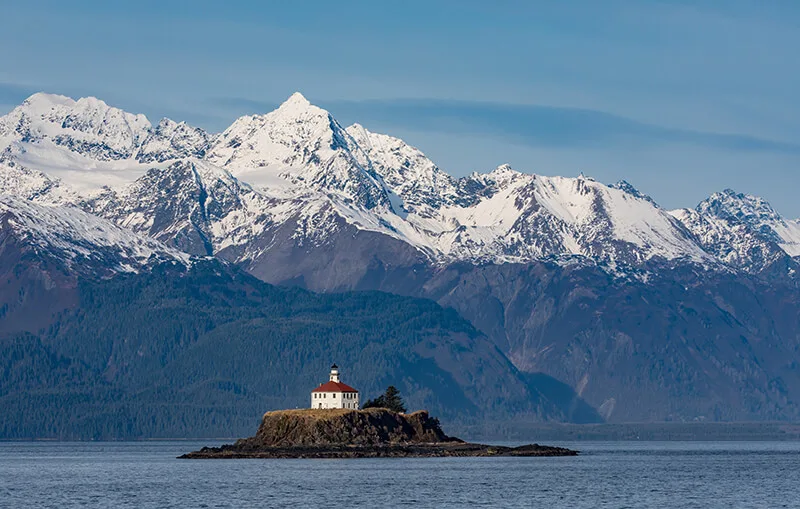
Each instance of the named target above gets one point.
<point>390,399</point>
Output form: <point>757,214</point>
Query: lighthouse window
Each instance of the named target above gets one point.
<point>334,394</point>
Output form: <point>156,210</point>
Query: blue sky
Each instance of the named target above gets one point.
<point>679,98</point>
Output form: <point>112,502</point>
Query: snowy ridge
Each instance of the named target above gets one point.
<point>173,140</point>
<point>190,204</point>
<point>80,239</point>
<point>508,216</point>
<point>32,185</point>
<point>297,167</point>
<point>756,214</point>
<point>789,232</point>
<point>742,230</point>
<point>87,125</point>
<point>420,184</point>
<point>300,145</point>
<point>88,145</point>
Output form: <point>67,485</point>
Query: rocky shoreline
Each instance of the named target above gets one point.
<point>462,449</point>
<point>373,433</point>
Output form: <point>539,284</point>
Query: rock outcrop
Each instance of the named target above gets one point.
<point>374,432</point>
<point>373,426</point>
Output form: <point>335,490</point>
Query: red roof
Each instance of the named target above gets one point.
<point>334,387</point>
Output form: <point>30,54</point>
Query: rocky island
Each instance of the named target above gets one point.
<point>368,433</point>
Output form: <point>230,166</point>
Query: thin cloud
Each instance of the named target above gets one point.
<point>541,126</point>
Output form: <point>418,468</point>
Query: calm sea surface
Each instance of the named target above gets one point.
<point>606,474</point>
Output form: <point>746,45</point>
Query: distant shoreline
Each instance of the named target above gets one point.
<point>525,432</point>
<point>633,432</point>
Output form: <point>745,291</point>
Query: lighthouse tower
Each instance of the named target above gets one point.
<point>334,394</point>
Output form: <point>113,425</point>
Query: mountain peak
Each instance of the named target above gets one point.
<point>302,144</point>
<point>298,106</point>
<point>362,135</point>
<point>297,99</point>
<point>44,100</point>
<point>627,187</point>
<point>87,127</point>
<point>743,230</point>
<point>43,105</point>
<point>91,103</point>
<point>281,139</point>
<point>504,169</point>
<point>729,204</point>
<point>504,173</point>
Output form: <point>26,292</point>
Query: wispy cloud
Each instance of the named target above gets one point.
<point>541,126</point>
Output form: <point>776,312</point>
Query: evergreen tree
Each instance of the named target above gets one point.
<point>393,400</point>
<point>390,399</point>
<point>374,403</point>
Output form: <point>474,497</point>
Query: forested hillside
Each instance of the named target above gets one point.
<point>204,351</point>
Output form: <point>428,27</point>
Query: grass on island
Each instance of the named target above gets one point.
<point>321,413</point>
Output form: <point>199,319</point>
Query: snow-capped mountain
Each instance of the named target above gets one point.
<point>638,308</point>
<point>83,243</point>
<point>84,146</point>
<point>191,204</point>
<point>33,185</point>
<point>380,184</point>
<point>87,126</point>
<point>298,170</point>
<point>405,170</point>
<point>742,230</point>
<point>302,146</point>
<point>172,140</point>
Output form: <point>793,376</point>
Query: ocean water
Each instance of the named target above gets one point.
<point>607,474</point>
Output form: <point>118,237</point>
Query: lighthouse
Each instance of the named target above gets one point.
<point>334,393</point>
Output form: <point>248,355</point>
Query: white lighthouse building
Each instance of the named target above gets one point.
<point>334,394</point>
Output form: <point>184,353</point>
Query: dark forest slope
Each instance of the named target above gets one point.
<point>204,352</point>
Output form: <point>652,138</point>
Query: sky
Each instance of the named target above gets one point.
<point>679,98</point>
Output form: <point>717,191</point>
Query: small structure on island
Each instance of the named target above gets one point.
<point>334,394</point>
